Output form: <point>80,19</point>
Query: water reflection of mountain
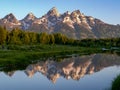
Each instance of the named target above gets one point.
<point>74,67</point>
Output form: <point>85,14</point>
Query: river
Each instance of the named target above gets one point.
<point>86,72</point>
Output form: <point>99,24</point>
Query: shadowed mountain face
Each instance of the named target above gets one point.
<point>71,68</point>
<point>73,24</point>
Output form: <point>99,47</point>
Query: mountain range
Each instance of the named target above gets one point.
<point>73,24</point>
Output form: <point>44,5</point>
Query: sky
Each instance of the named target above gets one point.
<point>106,10</point>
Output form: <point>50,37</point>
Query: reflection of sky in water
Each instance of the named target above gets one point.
<point>99,80</point>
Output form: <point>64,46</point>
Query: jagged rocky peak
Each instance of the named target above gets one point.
<point>10,21</point>
<point>10,18</point>
<point>68,13</point>
<point>30,16</point>
<point>53,12</point>
<point>75,16</point>
<point>76,12</point>
<point>66,16</point>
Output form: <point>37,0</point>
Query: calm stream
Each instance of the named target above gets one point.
<point>87,72</point>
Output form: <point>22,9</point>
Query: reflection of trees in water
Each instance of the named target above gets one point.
<point>74,67</point>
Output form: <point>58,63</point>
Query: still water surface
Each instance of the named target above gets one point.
<point>88,72</point>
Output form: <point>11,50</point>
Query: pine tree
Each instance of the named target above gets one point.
<point>52,39</point>
<point>26,38</point>
<point>3,35</point>
<point>44,38</point>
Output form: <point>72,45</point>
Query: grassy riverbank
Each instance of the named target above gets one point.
<point>27,52</point>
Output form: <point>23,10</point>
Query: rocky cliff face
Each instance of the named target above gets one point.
<point>73,24</point>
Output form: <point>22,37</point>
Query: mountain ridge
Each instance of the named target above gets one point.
<point>73,24</point>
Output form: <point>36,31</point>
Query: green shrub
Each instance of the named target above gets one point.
<point>116,83</point>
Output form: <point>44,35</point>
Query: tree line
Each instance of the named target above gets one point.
<point>20,37</point>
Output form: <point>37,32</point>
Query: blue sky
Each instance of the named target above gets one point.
<point>106,10</point>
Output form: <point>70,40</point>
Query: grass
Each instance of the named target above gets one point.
<point>116,83</point>
<point>15,52</point>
